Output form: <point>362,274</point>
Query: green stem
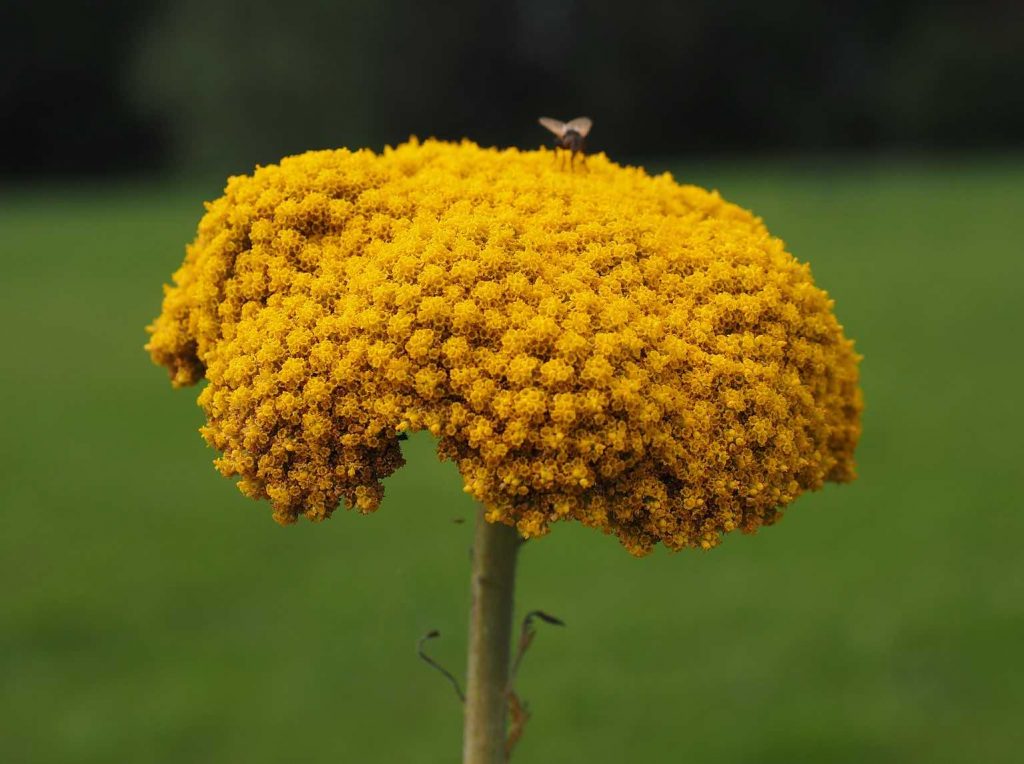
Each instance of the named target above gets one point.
<point>490,632</point>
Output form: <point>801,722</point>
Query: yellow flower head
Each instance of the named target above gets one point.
<point>599,345</point>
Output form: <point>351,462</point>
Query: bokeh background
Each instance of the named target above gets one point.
<point>151,613</point>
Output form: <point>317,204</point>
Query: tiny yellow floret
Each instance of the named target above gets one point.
<point>599,345</point>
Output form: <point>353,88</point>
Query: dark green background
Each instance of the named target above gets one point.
<point>132,85</point>
<point>151,613</point>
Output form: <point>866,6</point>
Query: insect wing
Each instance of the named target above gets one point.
<point>581,125</point>
<point>554,125</point>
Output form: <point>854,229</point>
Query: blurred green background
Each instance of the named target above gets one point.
<point>151,613</point>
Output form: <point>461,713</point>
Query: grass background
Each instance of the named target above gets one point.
<point>151,613</point>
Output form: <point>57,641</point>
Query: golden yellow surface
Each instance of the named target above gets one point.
<point>598,345</point>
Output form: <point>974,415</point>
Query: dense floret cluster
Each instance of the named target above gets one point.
<point>598,345</point>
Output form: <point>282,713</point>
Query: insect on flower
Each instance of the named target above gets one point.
<point>571,135</point>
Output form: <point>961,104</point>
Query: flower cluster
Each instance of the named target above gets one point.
<point>598,345</point>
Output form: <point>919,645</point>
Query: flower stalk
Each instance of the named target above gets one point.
<point>495,546</point>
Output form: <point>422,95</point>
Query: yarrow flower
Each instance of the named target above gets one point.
<point>603,346</point>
